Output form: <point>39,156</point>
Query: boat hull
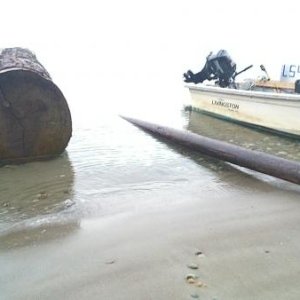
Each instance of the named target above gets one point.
<point>277,112</point>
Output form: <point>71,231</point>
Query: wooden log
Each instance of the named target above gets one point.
<point>261,162</point>
<point>35,121</point>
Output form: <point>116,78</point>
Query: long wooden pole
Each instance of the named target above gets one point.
<point>265,163</point>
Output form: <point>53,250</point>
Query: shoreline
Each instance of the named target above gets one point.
<point>249,242</point>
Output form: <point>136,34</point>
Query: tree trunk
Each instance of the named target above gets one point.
<point>35,121</point>
<point>261,162</point>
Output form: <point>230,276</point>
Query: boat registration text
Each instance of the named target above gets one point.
<point>229,105</point>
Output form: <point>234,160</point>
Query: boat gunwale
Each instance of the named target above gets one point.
<point>245,93</point>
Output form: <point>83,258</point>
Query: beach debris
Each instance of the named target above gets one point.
<point>191,281</point>
<point>267,251</point>
<point>191,278</point>
<point>195,296</point>
<point>200,284</point>
<point>110,262</point>
<point>199,253</point>
<point>193,266</point>
<point>42,195</point>
<point>69,203</point>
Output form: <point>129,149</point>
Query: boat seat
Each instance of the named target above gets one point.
<point>275,84</point>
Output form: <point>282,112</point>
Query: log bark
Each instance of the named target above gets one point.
<point>35,120</point>
<point>261,162</point>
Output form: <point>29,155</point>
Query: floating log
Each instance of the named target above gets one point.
<point>261,162</point>
<point>35,120</point>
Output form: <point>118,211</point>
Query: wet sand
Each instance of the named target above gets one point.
<point>249,240</point>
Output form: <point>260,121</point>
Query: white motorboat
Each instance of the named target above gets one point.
<point>264,103</point>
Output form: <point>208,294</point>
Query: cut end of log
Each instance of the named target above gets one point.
<point>35,121</point>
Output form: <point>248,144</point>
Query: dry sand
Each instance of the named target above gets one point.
<point>249,239</point>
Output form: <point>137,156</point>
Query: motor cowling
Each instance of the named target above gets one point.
<point>218,67</point>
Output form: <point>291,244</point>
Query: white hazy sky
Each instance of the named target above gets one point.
<point>113,42</point>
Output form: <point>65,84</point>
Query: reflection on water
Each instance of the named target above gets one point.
<point>243,136</point>
<point>33,190</point>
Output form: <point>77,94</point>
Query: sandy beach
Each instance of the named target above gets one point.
<point>235,246</point>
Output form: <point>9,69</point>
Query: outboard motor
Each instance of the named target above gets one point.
<point>219,67</point>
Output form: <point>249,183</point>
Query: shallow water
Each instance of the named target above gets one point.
<point>110,170</point>
<point>109,165</point>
